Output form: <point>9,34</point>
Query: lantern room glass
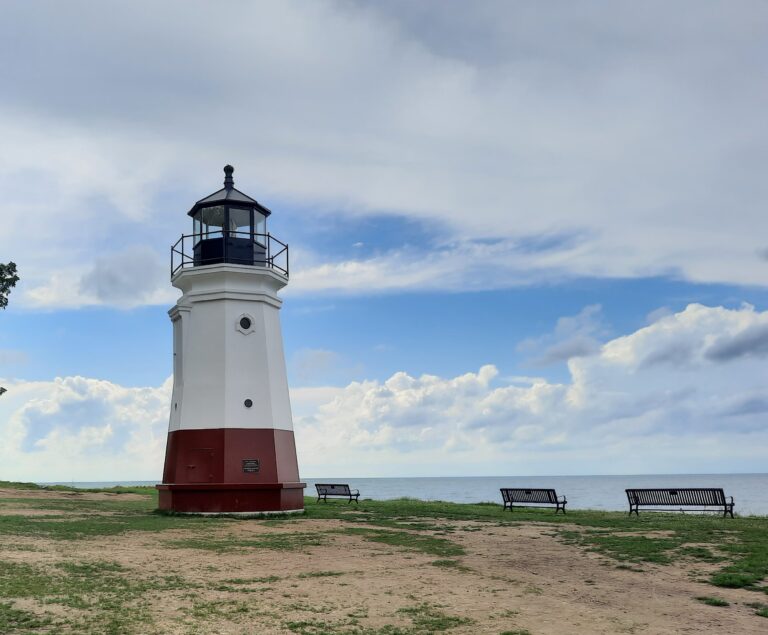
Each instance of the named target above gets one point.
<point>228,233</point>
<point>240,222</point>
<point>260,222</point>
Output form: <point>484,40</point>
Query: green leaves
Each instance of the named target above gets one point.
<point>8,280</point>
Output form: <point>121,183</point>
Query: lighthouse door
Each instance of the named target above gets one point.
<point>199,465</point>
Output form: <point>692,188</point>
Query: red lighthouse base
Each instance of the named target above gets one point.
<point>231,470</point>
<point>231,498</point>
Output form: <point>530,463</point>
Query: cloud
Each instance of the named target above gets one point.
<point>134,275</point>
<point>752,341</point>
<point>508,122</point>
<point>617,413</point>
<point>128,277</point>
<point>574,336</point>
<point>74,428</point>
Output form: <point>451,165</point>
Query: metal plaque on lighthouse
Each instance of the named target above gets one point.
<point>230,445</point>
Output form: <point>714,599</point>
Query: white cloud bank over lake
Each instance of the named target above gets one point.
<point>687,393</point>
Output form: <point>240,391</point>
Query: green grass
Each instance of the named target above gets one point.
<point>711,601</point>
<point>13,620</point>
<point>320,574</point>
<point>446,563</point>
<point>118,489</point>
<point>428,618</point>
<point>409,540</point>
<point>424,619</point>
<point>265,580</point>
<point>739,545</point>
<point>761,609</point>
<point>276,541</point>
<point>107,598</point>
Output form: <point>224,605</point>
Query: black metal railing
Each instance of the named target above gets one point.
<point>239,248</point>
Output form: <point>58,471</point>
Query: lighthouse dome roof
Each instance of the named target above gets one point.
<point>228,195</point>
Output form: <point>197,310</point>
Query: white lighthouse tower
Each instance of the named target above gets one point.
<point>230,440</point>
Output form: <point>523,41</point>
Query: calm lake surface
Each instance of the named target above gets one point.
<point>750,491</point>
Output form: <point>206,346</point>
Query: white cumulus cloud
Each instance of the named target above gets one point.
<point>685,393</point>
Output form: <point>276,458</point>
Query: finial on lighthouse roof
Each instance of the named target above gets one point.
<point>229,182</point>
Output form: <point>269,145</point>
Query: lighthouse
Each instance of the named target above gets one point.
<point>230,446</point>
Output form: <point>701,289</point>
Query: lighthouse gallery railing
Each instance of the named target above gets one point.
<point>239,248</point>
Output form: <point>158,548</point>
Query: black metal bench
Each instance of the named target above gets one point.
<point>532,498</point>
<point>700,498</point>
<point>324,490</point>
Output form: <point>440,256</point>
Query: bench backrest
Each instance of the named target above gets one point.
<point>685,496</point>
<point>512,495</point>
<point>331,489</point>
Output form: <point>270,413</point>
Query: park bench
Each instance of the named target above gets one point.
<point>324,490</point>
<point>532,498</point>
<point>700,498</point>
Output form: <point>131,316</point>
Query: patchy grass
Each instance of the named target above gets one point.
<point>320,574</point>
<point>101,596</point>
<point>761,609</point>
<point>13,620</point>
<point>118,489</point>
<point>428,618</point>
<point>424,618</point>
<point>409,540</point>
<point>450,564</point>
<point>702,554</point>
<point>265,580</point>
<point>712,601</point>
<point>102,593</point>
<point>274,541</point>
<point>741,544</point>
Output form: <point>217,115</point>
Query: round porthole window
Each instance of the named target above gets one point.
<point>248,403</point>
<point>244,324</point>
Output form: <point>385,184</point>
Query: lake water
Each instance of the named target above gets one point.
<point>750,491</point>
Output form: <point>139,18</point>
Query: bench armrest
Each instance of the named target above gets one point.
<point>731,497</point>
<point>561,498</point>
<point>355,492</point>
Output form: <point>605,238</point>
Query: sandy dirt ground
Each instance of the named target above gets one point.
<point>512,579</point>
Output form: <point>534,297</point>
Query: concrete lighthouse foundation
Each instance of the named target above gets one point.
<point>230,445</point>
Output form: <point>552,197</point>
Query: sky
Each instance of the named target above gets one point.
<point>525,238</point>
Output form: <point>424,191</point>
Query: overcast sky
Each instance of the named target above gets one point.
<point>526,238</point>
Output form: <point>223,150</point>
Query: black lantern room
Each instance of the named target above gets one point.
<point>229,226</point>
